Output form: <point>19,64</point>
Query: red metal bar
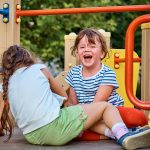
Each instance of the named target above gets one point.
<point>83,10</point>
<point>119,60</point>
<point>129,46</point>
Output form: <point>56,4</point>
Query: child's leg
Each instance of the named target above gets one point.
<point>101,128</point>
<point>101,110</point>
<point>97,132</point>
<point>132,118</point>
<point>112,118</point>
<point>104,110</point>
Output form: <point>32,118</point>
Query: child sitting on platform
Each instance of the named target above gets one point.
<point>92,81</point>
<point>35,98</point>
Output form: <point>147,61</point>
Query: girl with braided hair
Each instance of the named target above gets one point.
<point>11,62</point>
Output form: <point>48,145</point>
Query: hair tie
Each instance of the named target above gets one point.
<point>17,47</point>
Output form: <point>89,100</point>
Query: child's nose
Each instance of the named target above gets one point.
<point>87,48</point>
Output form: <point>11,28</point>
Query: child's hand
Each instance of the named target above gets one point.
<point>67,103</point>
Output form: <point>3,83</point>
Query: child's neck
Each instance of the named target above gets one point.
<point>90,71</point>
<point>19,66</point>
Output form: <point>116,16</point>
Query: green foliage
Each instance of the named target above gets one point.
<point>44,35</point>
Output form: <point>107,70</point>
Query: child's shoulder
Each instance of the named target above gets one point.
<point>38,65</point>
<point>107,68</point>
<point>76,68</point>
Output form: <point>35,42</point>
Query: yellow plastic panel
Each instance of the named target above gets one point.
<point>120,73</point>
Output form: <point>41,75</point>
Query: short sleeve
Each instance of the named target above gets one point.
<point>69,78</point>
<point>109,78</point>
<point>41,66</point>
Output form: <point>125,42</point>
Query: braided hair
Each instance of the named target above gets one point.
<point>13,58</point>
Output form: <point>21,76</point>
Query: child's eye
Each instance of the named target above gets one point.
<point>92,46</point>
<point>81,47</point>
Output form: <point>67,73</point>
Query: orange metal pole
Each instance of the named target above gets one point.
<point>83,10</point>
<point>129,46</point>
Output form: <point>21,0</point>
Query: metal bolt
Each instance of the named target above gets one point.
<point>117,55</point>
<point>5,5</point>
<point>70,65</point>
<point>116,66</point>
<point>18,7</point>
<point>18,20</point>
<point>5,20</point>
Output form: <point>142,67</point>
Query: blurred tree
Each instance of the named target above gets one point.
<point>44,35</point>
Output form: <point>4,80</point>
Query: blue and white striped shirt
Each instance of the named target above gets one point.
<point>86,88</point>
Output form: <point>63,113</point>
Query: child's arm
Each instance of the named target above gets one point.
<point>103,93</point>
<point>72,98</point>
<point>55,86</point>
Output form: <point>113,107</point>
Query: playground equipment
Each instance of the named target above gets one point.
<point>12,25</point>
<point>145,85</point>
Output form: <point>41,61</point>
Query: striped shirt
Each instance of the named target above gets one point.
<point>86,88</point>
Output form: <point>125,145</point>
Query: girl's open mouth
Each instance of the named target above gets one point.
<point>87,57</point>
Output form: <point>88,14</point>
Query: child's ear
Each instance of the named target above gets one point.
<point>76,52</point>
<point>102,55</point>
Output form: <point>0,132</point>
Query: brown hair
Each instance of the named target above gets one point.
<point>13,58</point>
<point>91,34</point>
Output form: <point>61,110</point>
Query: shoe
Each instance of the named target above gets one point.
<point>136,139</point>
<point>146,127</point>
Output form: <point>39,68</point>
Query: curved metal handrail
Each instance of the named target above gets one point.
<point>129,46</point>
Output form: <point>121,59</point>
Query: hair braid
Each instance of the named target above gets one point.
<point>12,59</point>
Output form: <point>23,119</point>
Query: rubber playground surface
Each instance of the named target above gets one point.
<point>18,142</point>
